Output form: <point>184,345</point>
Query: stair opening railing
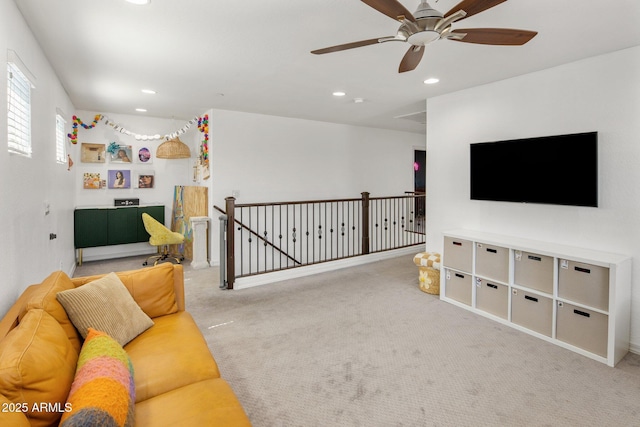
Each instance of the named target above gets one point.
<point>267,237</point>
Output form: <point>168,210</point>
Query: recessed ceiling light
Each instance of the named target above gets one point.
<point>431,81</point>
<point>358,100</point>
<point>149,91</point>
<point>141,110</point>
<point>140,2</point>
<point>339,93</point>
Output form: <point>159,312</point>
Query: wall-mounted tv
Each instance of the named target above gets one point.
<point>559,170</point>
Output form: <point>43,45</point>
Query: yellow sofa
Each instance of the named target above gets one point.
<point>176,378</point>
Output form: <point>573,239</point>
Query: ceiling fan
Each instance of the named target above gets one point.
<point>427,25</point>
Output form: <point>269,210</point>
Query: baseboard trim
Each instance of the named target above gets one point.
<point>73,270</point>
<point>130,253</point>
<point>294,273</point>
<point>634,348</point>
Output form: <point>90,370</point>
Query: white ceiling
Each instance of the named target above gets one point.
<point>253,55</point>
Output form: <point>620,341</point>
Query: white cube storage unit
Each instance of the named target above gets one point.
<point>573,297</point>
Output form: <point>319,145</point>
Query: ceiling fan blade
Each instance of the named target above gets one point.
<point>392,8</point>
<point>493,36</point>
<point>473,7</point>
<point>346,46</point>
<point>411,59</point>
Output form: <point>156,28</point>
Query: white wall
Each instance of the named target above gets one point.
<point>597,94</point>
<point>268,158</point>
<point>168,173</point>
<point>28,255</point>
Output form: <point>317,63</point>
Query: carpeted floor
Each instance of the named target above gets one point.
<point>363,346</point>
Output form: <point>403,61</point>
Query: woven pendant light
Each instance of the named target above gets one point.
<point>173,149</point>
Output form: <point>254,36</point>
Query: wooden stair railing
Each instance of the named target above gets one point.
<point>316,231</point>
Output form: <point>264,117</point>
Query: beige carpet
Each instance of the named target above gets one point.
<point>364,346</point>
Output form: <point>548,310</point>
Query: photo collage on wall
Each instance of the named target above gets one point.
<point>120,174</point>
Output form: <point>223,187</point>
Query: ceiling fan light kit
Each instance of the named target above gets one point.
<point>423,37</point>
<point>427,25</point>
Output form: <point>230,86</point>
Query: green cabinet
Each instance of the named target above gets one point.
<point>112,226</point>
<point>90,227</point>
<point>122,227</point>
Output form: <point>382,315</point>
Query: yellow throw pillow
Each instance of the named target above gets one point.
<point>37,366</point>
<point>152,288</point>
<point>44,297</point>
<point>105,305</point>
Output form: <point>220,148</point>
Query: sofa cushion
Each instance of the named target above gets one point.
<point>151,287</point>
<point>37,365</point>
<point>205,403</point>
<point>171,354</point>
<point>105,305</point>
<point>102,393</point>
<point>44,296</point>
<point>12,413</point>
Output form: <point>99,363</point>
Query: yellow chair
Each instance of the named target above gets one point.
<point>161,236</point>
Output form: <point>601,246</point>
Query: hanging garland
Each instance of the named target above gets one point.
<point>100,117</point>
<point>73,136</point>
<point>203,127</point>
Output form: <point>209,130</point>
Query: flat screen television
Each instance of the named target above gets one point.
<point>559,170</point>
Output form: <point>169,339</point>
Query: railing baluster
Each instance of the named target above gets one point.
<point>231,263</point>
<point>241,242</point>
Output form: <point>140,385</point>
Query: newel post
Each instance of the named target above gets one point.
<point>365,223</point>
<point>231,264</point>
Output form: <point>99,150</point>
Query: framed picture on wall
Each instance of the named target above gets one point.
<point>91,181</point>
<point>144,155</point>
<point>119,178</point>
<point>92,153</point>
<point>121,154</point>
<point>146,179</point>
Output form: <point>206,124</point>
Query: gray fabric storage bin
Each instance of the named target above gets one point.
<point>492,262</point>
<point>534,271</point>
<point>532,311</point>
<point>458,254</point>
<point>582,328</point>
<point>584,283</point>
<point>492,298</point>
<point>458,286</point>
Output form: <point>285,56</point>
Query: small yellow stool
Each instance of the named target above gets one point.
<point>429,264</point>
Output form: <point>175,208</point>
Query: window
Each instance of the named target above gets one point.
<point>18,106</point>
<point>61,151</point>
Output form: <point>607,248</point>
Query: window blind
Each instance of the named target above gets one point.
<point>18,111</point>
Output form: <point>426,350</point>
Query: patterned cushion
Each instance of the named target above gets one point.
<point>427,259</point>
<point>103,391</point>
<point>105,305</point>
